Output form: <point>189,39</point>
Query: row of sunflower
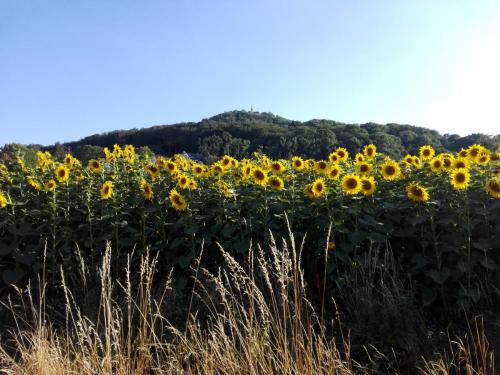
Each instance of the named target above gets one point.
<point>175,204</point>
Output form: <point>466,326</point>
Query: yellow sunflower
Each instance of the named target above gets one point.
<point>483,158</point>
<point>368,185</point>
<point>417,162</point>
<point>259,176</point>
<point>153,170</point>
<point>62,173</point>
<point>473,151</point>
<point>33,183</point>
<point>364,168</point>
<point>69,159</point>
<point>359,157</point>
<point>308,191</point>
<point>183,181</point>
<point>390,170</point>
<point>370,151</point>
<point>408,160</point>
<point>178,202</point>
<point>351,184</point>
<point>3,201</point>
<point>333,158</point>
<point>95,166</point>
<point>147,190</point>
<point>318,187</point>
<point>247,171</point>
<point>460,163</point>
<point>297,163</point>
<point>108,155</point>
<point>436,164</point>
<point>276,182</point>
<point>342,153</point>
<point>107,190</point>
<point>50,185</point>
<point>334,172</point>
<point>463,153</point>
<point>493,188</point>
<point>277,167</point>
<point>217,169</point>
<point>225,162</point>
<point>460,178</point>
<point>321,166</point>
<point>426,152</point>
<point>417,193</point>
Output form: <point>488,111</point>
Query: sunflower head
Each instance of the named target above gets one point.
<point>334,172</point>
<point>153,170</point>
<point>460,163</point>
<point>259,176</point>
<point>171,166</point>
<point>351,184</point>
<point>370,151</point>
<point>342,153</point>
<point>50,185</point>
<point>276,183</point>
<point>426,152</point>
<point>437,164</point>
<point>321,166</point>
<point>297,163</point>
<point>278,167</point>
<point>390,170</point>
<point>177,200</point>
<point>483,158</point>
<point>364,168</point>
<point>359,157</point>
<point>308,191</point>
<point>463,153</point>
<point>3,201</point>
<point>368,185</point>
<point>473,151</point>
<point>493,187</point>
<point>417,193</point>
<point>147,190</point>
<point>95,166</point>
<point>183,181</point>
<point>107,190</point>
<point>460,178</point>
<point>318,187</point>
<point>333,158</point>
<point>62,173</point>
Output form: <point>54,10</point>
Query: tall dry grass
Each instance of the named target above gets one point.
<point>250,318</point>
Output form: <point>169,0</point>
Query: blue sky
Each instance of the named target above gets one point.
<point>74,68</point>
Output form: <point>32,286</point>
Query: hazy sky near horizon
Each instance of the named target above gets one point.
<point>69,69</point>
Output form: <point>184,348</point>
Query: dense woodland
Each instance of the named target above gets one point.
<point>240,133</point>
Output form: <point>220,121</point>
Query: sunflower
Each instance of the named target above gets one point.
<point>277,167</point>
<point>69,160</point>
<point>342,153</point>
<point>225,162</point>
<point>193,185</point>
<point>259,176</point>
<point>108,155</point>
<point>447,160</point>
<point>368,185</point>
<point>107,190</point>
<point>463,153</point>
<point>318,187</point>
<point>351,184</point>
<point>460,163</point>
<point>370,151</point>
<point>310,163</point>
<point>247,171</point>
<point>33,183</point>
<point>390,170</point>
<point>460,178</point>
<point>276,182</point>
<point>178,202</point>
<point>483,158</point>
<point>473,151</point>
<point>50,185</point>
<point>408,160</point>
<point>417,193</point>
<point>198,170</point>
<point>333,158</point>
<point>62,173</point>
<point>117,151</point>
<point>359,157</point>
<point>364,168</point>
<point>417,162</point>
<point>95,166</point>
<point>161,162</point>
<point>321,166</point>
<point>493,188</point>
<point>147,190</point>
<point>437,165</point>
<point>217,169</point>
<point>426,152</point>
<point>334,172</point>
<point>183,181</point>
<point>153,170</point>
<point>297,163</point>
<point>3,201</point>
<point>308,191</point>
<point>171,167</point>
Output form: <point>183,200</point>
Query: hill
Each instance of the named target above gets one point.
<point>240,133</point>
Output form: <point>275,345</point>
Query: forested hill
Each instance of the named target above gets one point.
<point>239,133</point>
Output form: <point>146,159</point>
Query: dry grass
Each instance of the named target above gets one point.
<point>257,320</point>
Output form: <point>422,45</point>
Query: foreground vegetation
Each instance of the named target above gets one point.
<point>397,253</point>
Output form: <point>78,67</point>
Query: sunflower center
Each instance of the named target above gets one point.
<point>367,185</point>
<point>390,170</point>
<point>364,168</point>
<point>351,183</point>
<point>495,186</point>
<point>259,175</point>
<point>460,177</point>
<point>417,191</point>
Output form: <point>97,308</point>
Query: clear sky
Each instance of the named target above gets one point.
<point>74,68</point>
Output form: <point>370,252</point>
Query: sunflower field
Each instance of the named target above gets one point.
<point>439,213</point>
